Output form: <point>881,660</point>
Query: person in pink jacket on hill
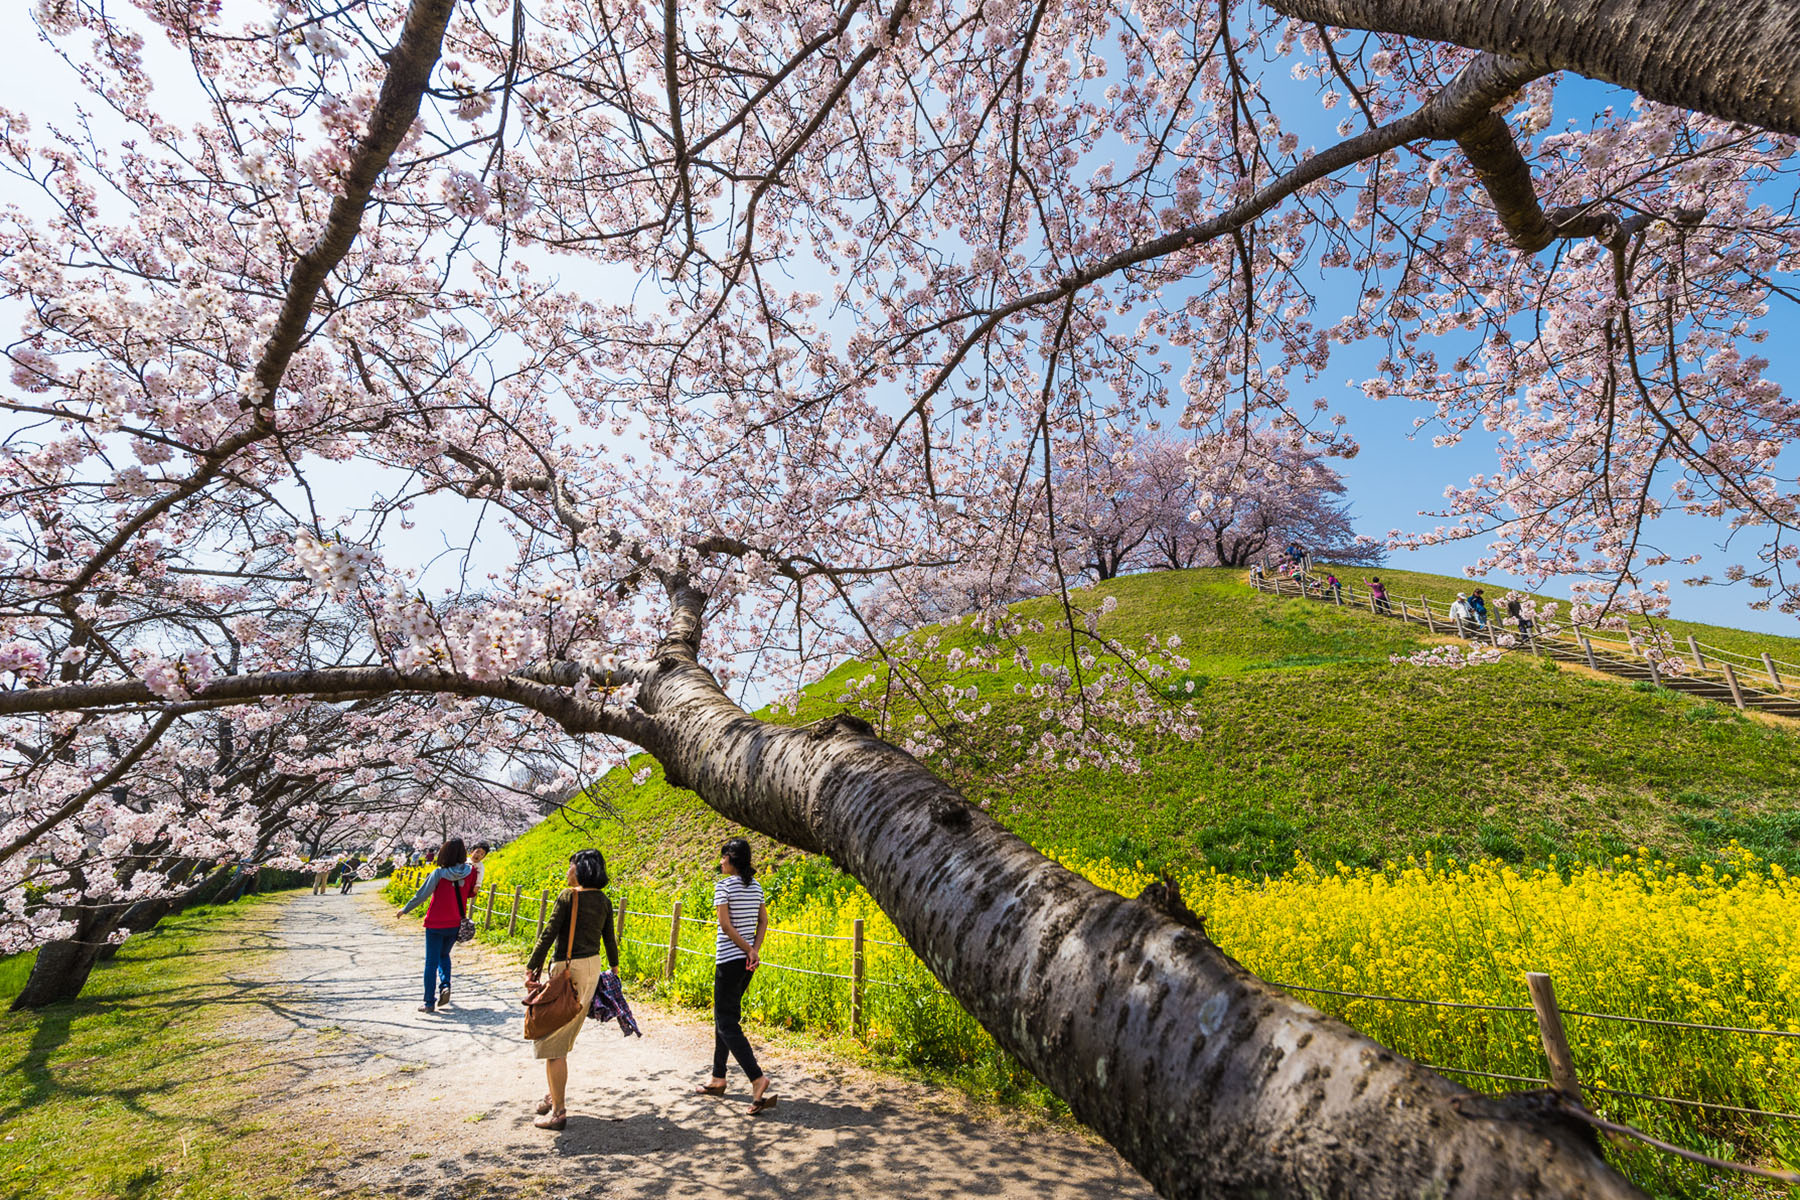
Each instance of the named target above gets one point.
<point>448,889</point>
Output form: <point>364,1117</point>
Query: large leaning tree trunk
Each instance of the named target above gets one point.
<point>1208,1080</point>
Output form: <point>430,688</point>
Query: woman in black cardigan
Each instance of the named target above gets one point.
<point>593,930</point>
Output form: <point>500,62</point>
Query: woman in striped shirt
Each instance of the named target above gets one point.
<point>743,920</point>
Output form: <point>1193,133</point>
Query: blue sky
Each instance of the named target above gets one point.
<point>1397,474</point>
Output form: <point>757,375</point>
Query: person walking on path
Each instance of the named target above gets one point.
<point>477,852</point>
<point>1378,592</point>
<point>447,889</point>
<point>580,927</point>
<point>743,922</point>
<point>319,876</point>
<point>346,876</point>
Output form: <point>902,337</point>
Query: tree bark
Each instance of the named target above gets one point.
<point>1209,1081</point>
<point>62,967</point>
<point>1739,61</point>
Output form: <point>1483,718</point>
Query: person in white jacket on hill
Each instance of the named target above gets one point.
<point>1462,614</point>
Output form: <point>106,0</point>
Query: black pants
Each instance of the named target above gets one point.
<point>730,981</point>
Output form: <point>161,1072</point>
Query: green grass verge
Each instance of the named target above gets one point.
<point>140,1089</point>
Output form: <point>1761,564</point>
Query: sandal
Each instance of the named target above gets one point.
<point>555,1123</point>
<point>762,1103</point>
<point>710,1089</point>
<point>545,1105</point>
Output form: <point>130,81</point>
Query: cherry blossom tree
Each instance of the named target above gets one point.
<point>1220,499</point>
<point>694,325</point>
<point>1108,507</point>
<point>1253,491</point>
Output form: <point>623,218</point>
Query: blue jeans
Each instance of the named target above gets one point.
<point>437,961</point>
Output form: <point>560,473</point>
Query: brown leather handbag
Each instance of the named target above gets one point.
<point>554,1003</point>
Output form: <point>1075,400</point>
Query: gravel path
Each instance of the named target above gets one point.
<point>402,1103</point>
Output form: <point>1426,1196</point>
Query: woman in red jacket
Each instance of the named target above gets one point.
<point>449,889</point>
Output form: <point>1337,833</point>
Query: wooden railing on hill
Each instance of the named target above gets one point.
<point>1708,671</point>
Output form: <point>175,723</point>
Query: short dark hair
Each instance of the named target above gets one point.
<point>590,868</point>
<point>737,853</point>
<point>452,854</point>
<point>481,846</point>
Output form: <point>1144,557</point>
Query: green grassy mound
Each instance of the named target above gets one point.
<point>1313,745</point>
<point>1310,745</point>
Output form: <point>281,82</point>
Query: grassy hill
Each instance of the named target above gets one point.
<point>1312,744</point>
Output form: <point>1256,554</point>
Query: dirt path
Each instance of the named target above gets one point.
<point>401,1103</point>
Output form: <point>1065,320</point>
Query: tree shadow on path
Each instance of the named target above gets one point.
<point>440,1106</point>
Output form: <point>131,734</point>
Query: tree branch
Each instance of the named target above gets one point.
<point>1738,61</point>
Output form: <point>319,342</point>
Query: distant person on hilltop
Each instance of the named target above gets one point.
<point>447,888</point>
<point>1516,611</point>
<point>1378,592</point>
<point>1478,606</point>
<point>581,926</point>
<point>1337,588</point>
<point>1462,614</point>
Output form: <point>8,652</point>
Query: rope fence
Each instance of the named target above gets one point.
<point>1544,1009</point>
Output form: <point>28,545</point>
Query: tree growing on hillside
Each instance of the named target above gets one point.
<point>1219,500</point>
<point>867,285</point>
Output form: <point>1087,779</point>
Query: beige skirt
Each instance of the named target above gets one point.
<point>587,978</point>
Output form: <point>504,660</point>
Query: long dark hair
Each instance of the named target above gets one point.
<point>452,854</point>
<point>737,853</point>
<point>590,868</point>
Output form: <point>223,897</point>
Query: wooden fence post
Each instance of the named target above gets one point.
<point>619,932</point>
<point>1550,1030</point>
<point>1494,631</point>
<point>488,921</point>
<point>1769,666</point>
<point>1694,649</point>
<point>1587,648</point>
<point>1425,605</point>
<point>543,902</point>
<point>856,977</point>
<point>1371,601</point>
<point>1737,696</point>
<point>1404,615</point>
<point>512,922</point>
<point>674,941</point>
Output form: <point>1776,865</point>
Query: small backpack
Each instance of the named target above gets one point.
<point>465,932</point>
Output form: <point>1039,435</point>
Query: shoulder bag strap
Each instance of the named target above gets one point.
<point>574,909</point>
<point>462,913</point>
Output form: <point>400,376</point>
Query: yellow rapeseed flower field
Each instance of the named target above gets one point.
<point>1634,937</point>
